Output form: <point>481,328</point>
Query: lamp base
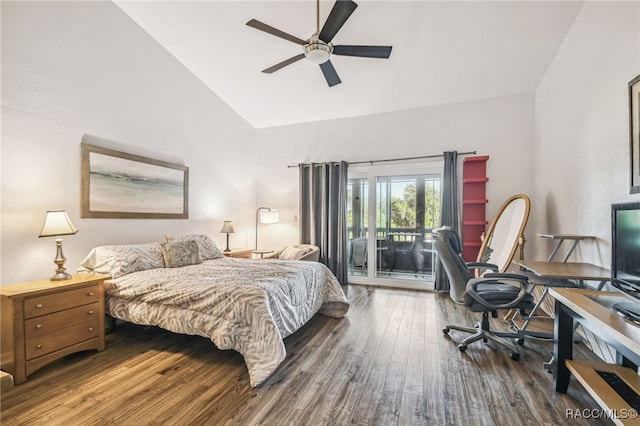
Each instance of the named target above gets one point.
<point>59,261</point>
<point>61,276</point>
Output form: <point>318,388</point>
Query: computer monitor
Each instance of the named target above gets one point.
<point>625,256</point>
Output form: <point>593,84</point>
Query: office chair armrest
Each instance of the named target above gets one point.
<point>482,265</point>
<point>508,276</point>
<point>522,282</point>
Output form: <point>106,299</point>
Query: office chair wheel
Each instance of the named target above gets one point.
<point>515,356</point>
<point>462,348</point>
<point>445,330</point>
<point>520,341</point>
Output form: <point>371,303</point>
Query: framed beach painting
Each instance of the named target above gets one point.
<point>116,184</point>
<point>634,133</point>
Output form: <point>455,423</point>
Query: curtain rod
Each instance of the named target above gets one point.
<point>393,159</point>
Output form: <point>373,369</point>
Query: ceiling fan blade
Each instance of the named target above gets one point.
<point>363,51</point>
<point>254,23</point>
<point>341,11</point>
<point>283,64</point>
<point>330,74</point>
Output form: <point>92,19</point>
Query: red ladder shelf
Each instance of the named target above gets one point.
<point>474,201</point>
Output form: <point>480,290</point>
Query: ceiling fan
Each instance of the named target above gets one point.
<point>318,48</point>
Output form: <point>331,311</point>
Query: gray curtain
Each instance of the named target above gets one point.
<point>323,220</point>
<point>448,209</point>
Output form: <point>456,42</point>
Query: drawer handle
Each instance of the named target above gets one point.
<point>90,293</point>
<point>90,312</point>
<point>90,329</point>
<point>39,305</point>
<point>38,325</point>
<point>38,346</point>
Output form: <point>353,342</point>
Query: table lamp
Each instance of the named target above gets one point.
<point>56,224</point>
<point>227,228</point>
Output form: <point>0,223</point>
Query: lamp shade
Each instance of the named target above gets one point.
<point>227,227</point>
<point>269,216</point>
<point>265,215</point>
<point>57,223</point>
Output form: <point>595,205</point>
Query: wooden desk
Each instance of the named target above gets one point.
<point>592,309</point>
<point>554,275</point>
<point>552,272</point>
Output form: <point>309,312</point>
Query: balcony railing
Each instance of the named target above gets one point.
<point>399,251</point>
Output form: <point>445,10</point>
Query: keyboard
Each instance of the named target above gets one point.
<point>629,311</point>
<point>625,391</point>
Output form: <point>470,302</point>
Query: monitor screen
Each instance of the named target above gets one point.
<point>625,242</point>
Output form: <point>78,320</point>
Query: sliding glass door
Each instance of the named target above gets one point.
<point>402,205</point>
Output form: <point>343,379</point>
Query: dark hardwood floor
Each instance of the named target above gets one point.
<point>386,363</point>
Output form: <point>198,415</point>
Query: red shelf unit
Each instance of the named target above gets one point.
<point>474,201</point>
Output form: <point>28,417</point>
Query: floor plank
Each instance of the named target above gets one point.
<point>386,363</point>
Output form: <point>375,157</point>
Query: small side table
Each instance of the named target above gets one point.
<point>561,238</point>
<point>261,252</point>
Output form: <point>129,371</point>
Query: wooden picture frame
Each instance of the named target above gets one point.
<point>634,135</point>
<point>116,184</point>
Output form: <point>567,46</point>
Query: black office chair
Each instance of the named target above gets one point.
<point>417,254</point>
<point>487,294</point>
<point>388,247</point>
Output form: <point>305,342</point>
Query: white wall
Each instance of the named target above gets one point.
<point>501,128</point>
<point>582,127</point>
<point>72,69</point>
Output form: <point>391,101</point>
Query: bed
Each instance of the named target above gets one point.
<point>248,305</point>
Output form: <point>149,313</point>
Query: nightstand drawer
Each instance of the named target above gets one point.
<point>44,324</point>
<point>36,306</point>
<point>61,338</point>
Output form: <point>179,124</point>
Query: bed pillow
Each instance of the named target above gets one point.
<point>206,246</point>
<point>181,253</point>
<point>119,260</point>
<point>293,253</point>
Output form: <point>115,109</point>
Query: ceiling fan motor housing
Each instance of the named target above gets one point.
<point>317,51</point>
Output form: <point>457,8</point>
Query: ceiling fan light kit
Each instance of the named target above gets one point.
<point>317,51</point>
<point>318,48</point>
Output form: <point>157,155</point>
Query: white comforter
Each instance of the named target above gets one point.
<point>242,304</point>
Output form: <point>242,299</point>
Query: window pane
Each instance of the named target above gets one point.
<point>357,207</point>
<point>357,225</point>
<point>432,202</point>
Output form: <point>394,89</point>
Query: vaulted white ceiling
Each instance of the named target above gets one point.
<point>443,52</point>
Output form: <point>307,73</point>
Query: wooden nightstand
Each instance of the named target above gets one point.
<point>45,320</point>
<point>239,252</point>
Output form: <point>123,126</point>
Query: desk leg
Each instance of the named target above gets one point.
<point>573,246</point>
<point>555,250</point>
<point>562,347</point>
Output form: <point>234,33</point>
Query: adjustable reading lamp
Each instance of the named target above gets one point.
<point>265,215</point>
